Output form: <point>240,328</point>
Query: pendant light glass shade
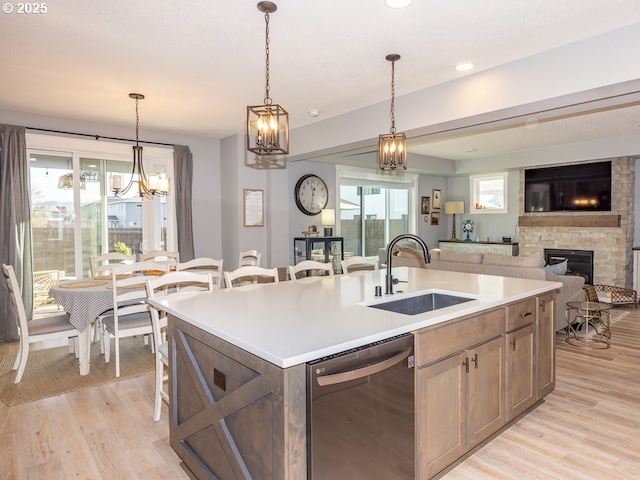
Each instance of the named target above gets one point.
<point>392,147</point>
<point>148,185</point>
<point>267,125</point>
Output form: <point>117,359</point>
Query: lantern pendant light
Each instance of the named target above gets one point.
<point>392,148</point>
<point>148,186</point>
<point>268,124</point>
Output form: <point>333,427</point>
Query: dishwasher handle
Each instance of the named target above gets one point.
<point>364,371</point>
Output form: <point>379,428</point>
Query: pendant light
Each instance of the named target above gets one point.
<point>268,124</point>
<point>392,148</point>
<point>148,186</point>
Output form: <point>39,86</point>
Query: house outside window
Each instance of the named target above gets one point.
<point>489,193</point>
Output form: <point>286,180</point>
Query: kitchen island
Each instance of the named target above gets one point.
<point>238,361</point>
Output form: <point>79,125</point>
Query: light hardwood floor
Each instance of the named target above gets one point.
<point>588,428</point>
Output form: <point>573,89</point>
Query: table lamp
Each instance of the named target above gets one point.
<point>453,208</point>
<point>328,217</point>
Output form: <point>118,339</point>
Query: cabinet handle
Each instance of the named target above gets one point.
<point>513,344</point>
<point>526,314</point>
<point>475,360</point>
<point>466,365</point>
<point>543,305</point>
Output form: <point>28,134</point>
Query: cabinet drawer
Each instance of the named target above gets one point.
<point>520,314</point>
<point>434,343</point>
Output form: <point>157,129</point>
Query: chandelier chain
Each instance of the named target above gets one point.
<point>393,97</point>
<point>267,97</point>
<point>137,122</point>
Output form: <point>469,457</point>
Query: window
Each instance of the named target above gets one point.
<point>374,208</point>
<point>75,216</point>
<point>489,193</point>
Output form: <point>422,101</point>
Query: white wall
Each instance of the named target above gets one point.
<point>492,225</point>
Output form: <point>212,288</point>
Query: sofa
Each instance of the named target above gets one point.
<point>531,267</point>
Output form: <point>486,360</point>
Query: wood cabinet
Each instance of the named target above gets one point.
<point>520,351</point>
<point>545,344</point>
<point>482,247</point>
<point>459,397</point>
<point>520,371</point>
<point>477,374</point>
<point>233,415</point>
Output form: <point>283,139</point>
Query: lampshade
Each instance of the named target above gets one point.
<point>328,217</point>
<point>453,207</point>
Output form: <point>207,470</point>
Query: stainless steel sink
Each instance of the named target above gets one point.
<point>420,303</point>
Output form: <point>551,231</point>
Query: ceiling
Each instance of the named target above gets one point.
<point>201,62</point>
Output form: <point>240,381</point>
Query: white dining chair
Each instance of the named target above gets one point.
<point>204,265</point>
<point>38,330</point>
<point>355,264</point>
<point>310,267</point>
<point>102,264</point>
<point>160,256</point>
<point>249,275</point>
<point>130,315</point>
<point>249,258</point>
<point>165,285</point>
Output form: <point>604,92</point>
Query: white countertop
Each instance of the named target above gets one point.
<point>295,322</point>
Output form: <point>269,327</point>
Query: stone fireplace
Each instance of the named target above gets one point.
<point>608,234</point>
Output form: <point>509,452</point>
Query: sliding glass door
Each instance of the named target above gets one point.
<point>374,209</point>
<point>75,216</point>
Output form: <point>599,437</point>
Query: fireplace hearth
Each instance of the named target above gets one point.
<point>579,262</point>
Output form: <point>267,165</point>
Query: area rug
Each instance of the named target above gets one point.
<point>55,371</point>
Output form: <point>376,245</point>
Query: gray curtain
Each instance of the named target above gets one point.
<point>15,225</point>
<point>183,166</point>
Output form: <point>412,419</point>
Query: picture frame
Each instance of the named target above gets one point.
<point>425,204</point>
<point>435,218</point>
<point>253,207</point>
<point>436,201</point>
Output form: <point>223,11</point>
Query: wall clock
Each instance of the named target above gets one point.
<point>311,194</point>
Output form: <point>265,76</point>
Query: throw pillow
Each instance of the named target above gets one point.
<point>531,261</point>
<point>557,268</point>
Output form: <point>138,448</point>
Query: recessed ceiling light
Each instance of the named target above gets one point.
<point>398,3</point>
<point>314,113</point>
<point>464,66</point>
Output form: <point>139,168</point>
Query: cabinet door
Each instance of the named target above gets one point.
<point>486,390</point>
<point>545,345</point>
<point>441,414</point>
<point>484,248</point>
<point>501,249</point>
<point>520,373</point>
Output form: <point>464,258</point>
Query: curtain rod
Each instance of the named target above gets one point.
<point>98,137</point>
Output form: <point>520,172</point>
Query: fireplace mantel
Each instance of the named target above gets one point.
<point>569,221</point>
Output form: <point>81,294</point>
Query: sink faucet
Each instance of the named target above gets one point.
<point>389,277</point>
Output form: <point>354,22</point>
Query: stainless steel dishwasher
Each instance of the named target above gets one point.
<point>360,413</point>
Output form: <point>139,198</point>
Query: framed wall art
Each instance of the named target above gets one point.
<point>425,204</point>
<point>435,218</point>
<point>253,207</point>
<point>436,200</point>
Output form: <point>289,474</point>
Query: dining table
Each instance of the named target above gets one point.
<point>84,300</point>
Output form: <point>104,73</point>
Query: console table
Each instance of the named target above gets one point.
<point>500,248</point>
<point>320,249</point>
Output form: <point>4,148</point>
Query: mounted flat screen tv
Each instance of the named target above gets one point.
<point>585,186</point>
